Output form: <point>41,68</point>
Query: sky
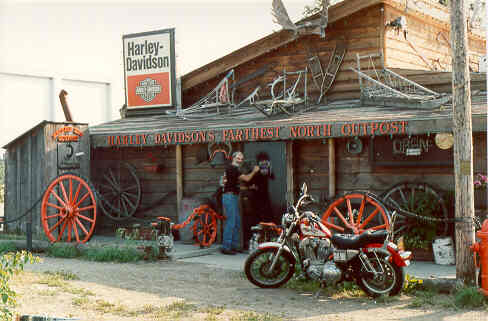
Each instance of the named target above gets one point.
<point>82,40</point>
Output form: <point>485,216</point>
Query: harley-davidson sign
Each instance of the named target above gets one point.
<point>149,68</point>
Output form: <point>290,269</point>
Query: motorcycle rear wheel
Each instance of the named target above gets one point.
<point>258,263</point>
<point>388,283</point>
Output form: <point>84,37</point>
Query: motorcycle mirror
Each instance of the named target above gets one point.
<point>304,188</point>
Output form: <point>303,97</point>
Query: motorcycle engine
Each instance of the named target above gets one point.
<point>316,252</point>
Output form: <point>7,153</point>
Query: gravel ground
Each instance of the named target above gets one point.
<point>141,291</point>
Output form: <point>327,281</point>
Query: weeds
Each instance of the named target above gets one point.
<point>253,316</point>
<point>112,254</point>
<point>63,251</point>
<point>107,307</point>
<point>65,275</point>
<point>102,254</point>
<point>7,247</point>
<point>469,297</point>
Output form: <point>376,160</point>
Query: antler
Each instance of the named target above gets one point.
<point>281,16</point>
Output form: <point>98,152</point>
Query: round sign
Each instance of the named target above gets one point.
<point>444,140</point>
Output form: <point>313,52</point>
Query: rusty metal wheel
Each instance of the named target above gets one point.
<point>355,213</point>
<point>120,191</point>
<point>420,199</point>
<point>69,209</point>
<point>205,228</point>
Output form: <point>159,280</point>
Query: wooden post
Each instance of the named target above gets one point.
<point>179,177</point>
<point>289,172</point>
<point>332,168</point>
<point>463,145</point>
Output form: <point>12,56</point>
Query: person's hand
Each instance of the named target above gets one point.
<point>255,169</point>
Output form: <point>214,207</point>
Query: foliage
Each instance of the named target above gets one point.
<point>6,247</point>
<point>112,254</point>
<point>63,251</point>
<point>10,264</point>
<point>103,254</point>
<point>421,233</point>
<point>412,284</point>
<point>481,181</point>
<point>470,297</point>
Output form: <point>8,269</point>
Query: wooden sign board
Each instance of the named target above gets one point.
<point>406,151</point>
<point>149,71</point>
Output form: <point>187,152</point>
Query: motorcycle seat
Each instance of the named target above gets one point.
<point>348,241</point>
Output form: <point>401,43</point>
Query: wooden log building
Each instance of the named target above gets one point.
<point>343,141</point>
<point>339,145</point>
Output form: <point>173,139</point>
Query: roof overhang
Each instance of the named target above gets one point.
<point>341,122</point>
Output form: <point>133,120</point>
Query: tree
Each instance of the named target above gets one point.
<point>463,145</point>
<point>10,264</point>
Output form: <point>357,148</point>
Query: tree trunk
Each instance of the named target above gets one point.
<point>463,145</point>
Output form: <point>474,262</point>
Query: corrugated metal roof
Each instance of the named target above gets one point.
<point>42,123</point>
<point>337,113</point>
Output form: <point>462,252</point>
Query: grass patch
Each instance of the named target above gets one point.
<point>339,291</point>
<point>112,254</point>
<point>48,293</point>
<point>82,302</point>
<point>99,254</point>
<point>59,280</point>
<point>253,316</point>
<point>12,236</point>
<point>63,251</point>
<point>175,311</point>
<point>64,275</point>
<point>470,297</point>
<point>107,307</point>
<point>6,247</point>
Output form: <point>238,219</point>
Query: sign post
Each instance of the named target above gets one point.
<point>149,71</point>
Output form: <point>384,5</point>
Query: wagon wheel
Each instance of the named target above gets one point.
<point>69,209</point>
<point>420,199</point>
<point>205,228</point>
<point>120,191</point>
<point>355,213</point>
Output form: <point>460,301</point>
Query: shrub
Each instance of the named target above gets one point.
<point>10,264</point>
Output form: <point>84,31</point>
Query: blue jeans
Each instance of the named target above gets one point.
<point>232,226</point>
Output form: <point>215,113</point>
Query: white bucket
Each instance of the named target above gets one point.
<point>443,251</point>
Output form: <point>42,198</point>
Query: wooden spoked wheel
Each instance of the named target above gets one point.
<point>205,228</point>
<point>69,209</point>
<point>422,200</point>
<point>355,213</point>
<point>120,191</point>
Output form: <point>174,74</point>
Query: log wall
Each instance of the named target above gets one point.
<point>426,46</point>
<point>356,172</point>
<point>159,187</point>
<point>31,164</point>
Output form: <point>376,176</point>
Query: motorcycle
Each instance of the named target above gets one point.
<point>370,259</point>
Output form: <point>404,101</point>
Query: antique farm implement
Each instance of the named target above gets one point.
<point>70,202</point>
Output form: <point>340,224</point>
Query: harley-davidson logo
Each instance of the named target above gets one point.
<point>148,89</point>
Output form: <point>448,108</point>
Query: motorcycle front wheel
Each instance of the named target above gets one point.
<point>257,268</point>
<point>389,282</point>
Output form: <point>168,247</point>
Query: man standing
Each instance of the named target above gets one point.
<point>230,203</point>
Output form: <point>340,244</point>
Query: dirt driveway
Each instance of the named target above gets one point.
<point>190,291</point>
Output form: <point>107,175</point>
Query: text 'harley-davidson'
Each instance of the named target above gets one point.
<point>370,259</point>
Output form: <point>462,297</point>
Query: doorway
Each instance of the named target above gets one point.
<point>276,151</point>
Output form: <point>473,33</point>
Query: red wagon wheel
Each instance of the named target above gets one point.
<point>205,227</point>
<point>355,213</point>
<point>69,209</point>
